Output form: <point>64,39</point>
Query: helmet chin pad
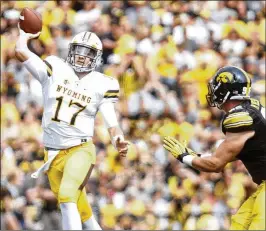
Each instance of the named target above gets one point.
<point>81,69</point>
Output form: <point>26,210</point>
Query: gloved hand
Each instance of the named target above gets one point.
<point>27,36</point>
<point>177,149</point>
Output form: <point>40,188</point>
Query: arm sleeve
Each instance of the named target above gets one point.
<point>238,122</point>
<point>108,112</point>
<point>40,69</point>
<point>111,94</point>
<point>34,64</point>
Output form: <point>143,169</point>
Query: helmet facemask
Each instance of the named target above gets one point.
<point>220,93</point>
<point>83,58</point>
<point>217,95</point>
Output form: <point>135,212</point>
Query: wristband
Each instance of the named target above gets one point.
<point>188,160</point>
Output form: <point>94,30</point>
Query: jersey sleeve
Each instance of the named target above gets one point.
<point>40,69</point>
<point>238,122</point>
<point>48,64</point>
<point>111,92</point>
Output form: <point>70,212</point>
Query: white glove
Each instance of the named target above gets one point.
<point>27,36</point>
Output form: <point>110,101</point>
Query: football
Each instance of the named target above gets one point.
<point>30,21</point>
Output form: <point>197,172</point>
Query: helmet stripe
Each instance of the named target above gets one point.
<point>84,36</point>
<point>89,36</point>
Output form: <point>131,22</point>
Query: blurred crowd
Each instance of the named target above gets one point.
<point>163,53</point>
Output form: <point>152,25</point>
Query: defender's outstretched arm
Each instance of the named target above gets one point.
<point>225,153</point>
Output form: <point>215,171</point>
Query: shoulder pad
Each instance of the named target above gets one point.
<point>109,86</point>
<point>105,77</point>
<point>108,77</point>
<point>111,83</point>
<point>55,63</point>
<point>255,103</point>
<point>237,122</point>
<point>112,89</point>
<point>50,63</point>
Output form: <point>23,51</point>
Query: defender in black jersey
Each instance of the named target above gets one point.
<point>250,116</point>
<point>244,126</point>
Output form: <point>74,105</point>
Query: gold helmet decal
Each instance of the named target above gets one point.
<point>225,77</point>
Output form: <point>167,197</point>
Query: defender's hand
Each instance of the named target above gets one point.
<point>122,146</point>
<point>28,36</point>
<point>177,149</point>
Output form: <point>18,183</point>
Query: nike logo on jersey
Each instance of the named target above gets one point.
<point>74,94</point>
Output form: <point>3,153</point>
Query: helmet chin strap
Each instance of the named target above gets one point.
<point>81,69</point>
<point>82,74</point>
<point>224,100</point>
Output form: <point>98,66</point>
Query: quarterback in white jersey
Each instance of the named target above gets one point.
<point>73,93</point>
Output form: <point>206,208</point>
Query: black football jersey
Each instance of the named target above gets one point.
<point>250,116</point>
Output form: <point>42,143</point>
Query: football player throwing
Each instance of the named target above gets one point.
<point>73,93</point>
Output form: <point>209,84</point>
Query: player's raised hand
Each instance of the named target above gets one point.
<point>30,23</point>
<point>122,146</point>
<point>28,36</point>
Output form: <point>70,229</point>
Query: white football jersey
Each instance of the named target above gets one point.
<point>71,104</point>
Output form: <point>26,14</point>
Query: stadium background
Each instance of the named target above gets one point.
<point>163,54</point>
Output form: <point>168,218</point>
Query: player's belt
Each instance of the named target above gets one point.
<point>57,149</point>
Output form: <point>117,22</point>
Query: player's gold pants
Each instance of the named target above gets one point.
<point>251,215</point>
<point>68,174</point>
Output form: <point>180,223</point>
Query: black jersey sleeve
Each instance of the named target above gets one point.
<point>238,122</point>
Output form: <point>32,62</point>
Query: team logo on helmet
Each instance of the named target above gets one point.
<point>225,77</point>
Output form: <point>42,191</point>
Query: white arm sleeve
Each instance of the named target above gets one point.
<point>37,68</point>
<point>108,112</point>
<point>34,64</point>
